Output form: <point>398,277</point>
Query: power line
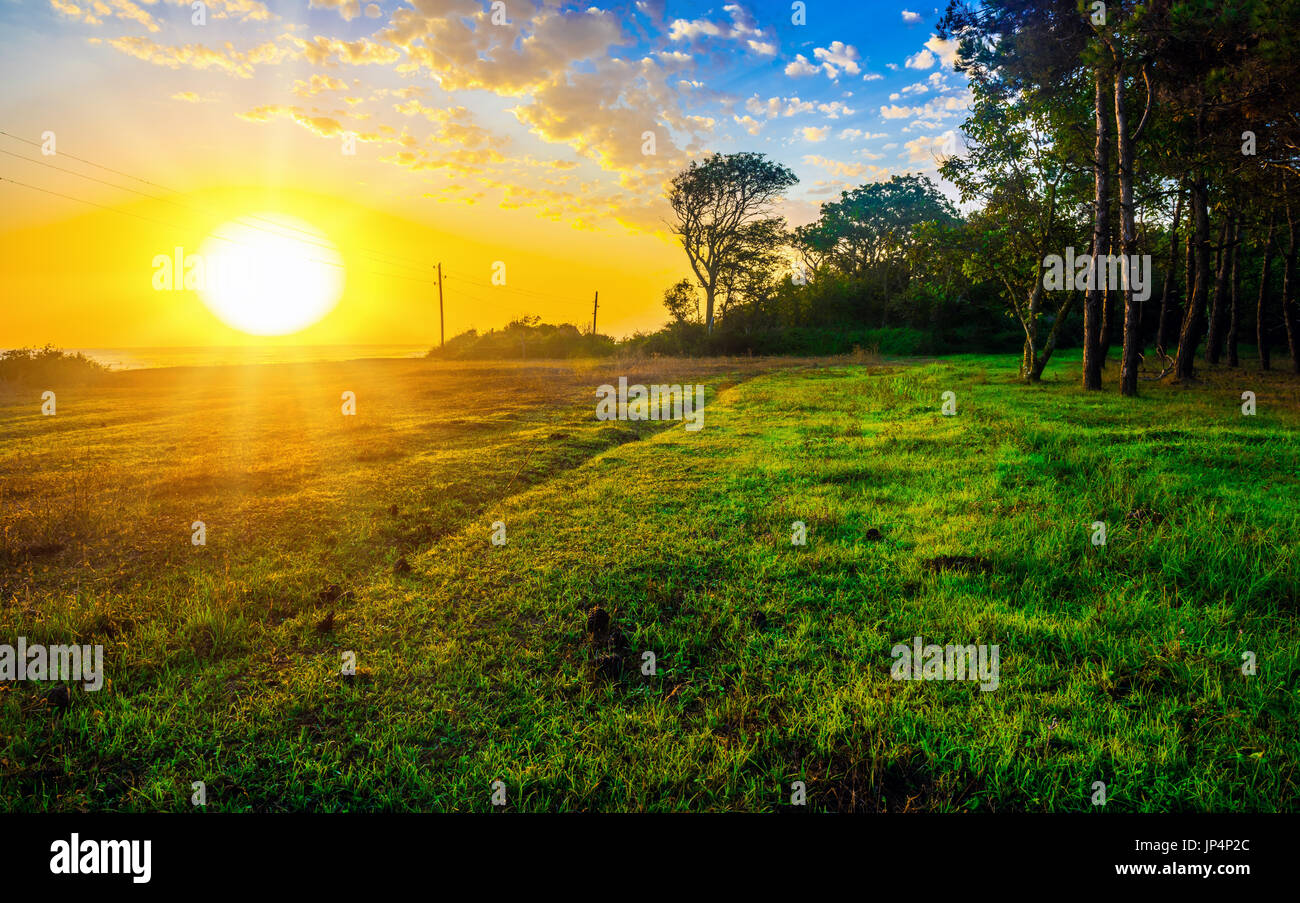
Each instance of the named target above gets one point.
<point>168,225</point>
<point>507,288</point>
<point>379,256</point>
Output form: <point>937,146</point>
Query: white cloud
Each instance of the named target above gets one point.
<point>910,17</point>
<point>922,59</point>
<point>936,109</point>
<point>814,134</point>
<point>839,56</point>
<point>945,50</point>
<point>834,109</point>
<point>742,28</point>
<point>800,66</point>
<point>837,168</point>
<point>928,148</point>
<point>789,106</point>
<point>689,30</point>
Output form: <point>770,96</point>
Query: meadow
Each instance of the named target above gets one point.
<point>479,663</point>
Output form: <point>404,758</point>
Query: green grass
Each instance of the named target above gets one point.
<point>1119,663</point>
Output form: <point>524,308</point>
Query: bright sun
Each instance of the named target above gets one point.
<point>270,274</point>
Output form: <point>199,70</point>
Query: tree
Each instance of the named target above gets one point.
<point>682,303</point>
<point>1121,49</point>
<point>721,205</point>
<point>1011,165</point>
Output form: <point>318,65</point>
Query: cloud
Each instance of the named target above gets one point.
<point>93,12</point>
<point>800,67</point>
<point>935,109</point>
<point>814,134</point>
<point>945,50</point>
<point>837,168</point>
<point>456,125</point>
<point>318,84</point>
<point>741,28</point>
<point>835,109</point>
<point>324,126</point>
<point>910,17</point>
<point>929,148</point>
<point>839,56</point>
<point>778,106</point>
<point>348,9</point>
<point>198,56</point>
<point>323,51</point>
<point>687,30</point>
<point>922,59</point>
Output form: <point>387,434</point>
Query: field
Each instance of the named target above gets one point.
<point>371,534</point>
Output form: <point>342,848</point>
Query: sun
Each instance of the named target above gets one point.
<point>270,274</point>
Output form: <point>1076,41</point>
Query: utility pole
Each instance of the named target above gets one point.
<point>594,305</point>
<point>442,329</point>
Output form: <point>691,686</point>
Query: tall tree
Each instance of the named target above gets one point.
<point>1261,318</point>
<point>1096,297</point>
<point>1234,323</point>
<point>719,203</point>
<point>1166,296</point>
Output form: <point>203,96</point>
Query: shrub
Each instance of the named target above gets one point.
<point>47,366</point>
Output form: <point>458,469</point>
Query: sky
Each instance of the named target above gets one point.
<point>525,146</point>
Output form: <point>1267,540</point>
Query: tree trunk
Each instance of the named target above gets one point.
<point>1214,339</point>
<point>1261,321</point>
<point>1288,294</point>
<point>1190,335</point>
<point>1162,328</point>
<point>1128,373</point>
<point>1030,358</point>
<point>1108,302</point>
<point>1234,325</point>
<point>1036,374</point>
<point>1093,306</point>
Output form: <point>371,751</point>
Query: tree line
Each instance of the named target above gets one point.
<point>1117,133</point>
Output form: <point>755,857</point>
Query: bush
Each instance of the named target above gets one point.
<point>525,339</point>
<point>47,366</point>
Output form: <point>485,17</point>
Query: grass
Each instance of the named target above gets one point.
<point>1119,663</point>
